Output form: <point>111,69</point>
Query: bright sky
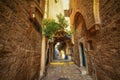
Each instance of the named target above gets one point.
<point>65,4</point>
<point>66,7</point>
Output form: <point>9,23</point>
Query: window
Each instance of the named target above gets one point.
<point>90,45</point>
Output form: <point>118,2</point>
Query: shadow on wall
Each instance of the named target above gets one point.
<point>37,26</point>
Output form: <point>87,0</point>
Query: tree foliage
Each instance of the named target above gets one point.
<point>62,21</point>
<point>70,32</point>
<point>51,26</point>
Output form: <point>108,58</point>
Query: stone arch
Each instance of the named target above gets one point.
<point>78,18</point>
<point>61,48</point>
<point>79,36</point>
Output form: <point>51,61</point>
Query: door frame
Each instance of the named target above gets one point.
<point>82,40</point>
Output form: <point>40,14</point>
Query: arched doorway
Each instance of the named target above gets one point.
<point>79,40</point>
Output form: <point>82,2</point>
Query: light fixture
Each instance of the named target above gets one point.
<point>33,15</point>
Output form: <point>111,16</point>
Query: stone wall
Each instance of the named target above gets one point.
<point>86,10</point>
<point>20,42</point>
<point>108,41</point>
<point>103,60</point>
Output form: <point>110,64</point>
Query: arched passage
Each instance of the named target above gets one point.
<point>59,50</point>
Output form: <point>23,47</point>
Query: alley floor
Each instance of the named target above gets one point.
<point>65,71</point>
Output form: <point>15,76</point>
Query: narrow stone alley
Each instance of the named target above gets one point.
<point>65,71</point>
<point>59,39</point>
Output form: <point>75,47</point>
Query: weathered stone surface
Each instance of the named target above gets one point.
<point>86,10</point>
<point>65,72</point>
<point>103,61</point>
<point>20,42</point>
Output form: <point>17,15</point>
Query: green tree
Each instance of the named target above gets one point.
<point>51,26</point>
<point>62,21</point>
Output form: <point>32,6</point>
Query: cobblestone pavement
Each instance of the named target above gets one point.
<point>65,72</point>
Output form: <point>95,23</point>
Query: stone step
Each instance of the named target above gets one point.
<point>62,63</point>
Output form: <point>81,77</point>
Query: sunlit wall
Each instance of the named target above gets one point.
<point>56,7</point>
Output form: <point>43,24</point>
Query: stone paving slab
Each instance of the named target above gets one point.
<point>65,72</point>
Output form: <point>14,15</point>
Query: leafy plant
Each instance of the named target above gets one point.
<point>70,32</point>
<point>61,20</point>
<point>51,26</point>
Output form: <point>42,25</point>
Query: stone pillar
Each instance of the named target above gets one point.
<point>43,47</point>
<point>42,70</point>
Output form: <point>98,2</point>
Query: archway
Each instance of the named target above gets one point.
<point>65,43</point>
<point>59,50</point>
<point>79,40</point>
